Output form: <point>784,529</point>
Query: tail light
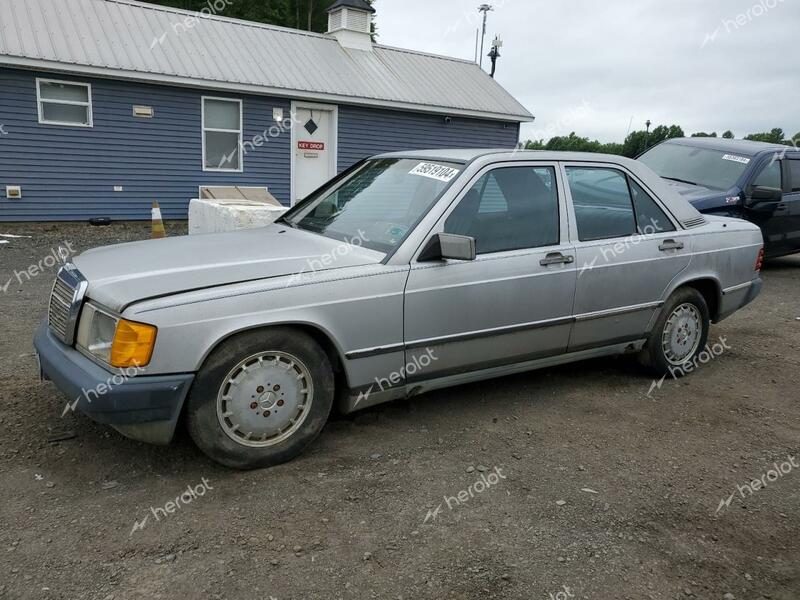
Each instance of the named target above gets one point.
<point>760,260</point>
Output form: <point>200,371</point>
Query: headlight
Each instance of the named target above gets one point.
<point>114,340</point>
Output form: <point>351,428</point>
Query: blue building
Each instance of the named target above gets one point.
<point>107,105</point>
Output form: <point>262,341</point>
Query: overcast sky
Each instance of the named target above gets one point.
<point>590,66</point>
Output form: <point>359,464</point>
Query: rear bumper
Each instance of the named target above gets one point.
<point>144,408</point>
<point>738,297</point>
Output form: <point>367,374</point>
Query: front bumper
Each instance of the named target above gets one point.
<point>145,408</point>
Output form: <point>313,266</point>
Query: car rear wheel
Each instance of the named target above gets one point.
<point>261,398</point>
<point>680,334</point>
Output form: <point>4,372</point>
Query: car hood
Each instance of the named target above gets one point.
<point>703,198</point>
<point>126,273</point>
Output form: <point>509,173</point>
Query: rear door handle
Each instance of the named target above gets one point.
<point>671,245</point>
<point>556,258</point>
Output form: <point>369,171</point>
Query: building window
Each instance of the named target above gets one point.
<point>64,103</point>
<point>222,134</point>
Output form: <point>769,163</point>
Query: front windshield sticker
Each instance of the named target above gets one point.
<point>434,171</point>
<point>739,159</point>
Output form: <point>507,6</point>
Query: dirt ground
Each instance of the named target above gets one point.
<point>574,482</point>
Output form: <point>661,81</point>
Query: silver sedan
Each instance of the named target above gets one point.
<point>407,273</point>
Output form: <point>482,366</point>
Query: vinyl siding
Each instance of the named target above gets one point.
<point>69,173</point>
<point>364,132</point>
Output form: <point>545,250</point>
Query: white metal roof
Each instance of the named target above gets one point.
<point>128,39</point>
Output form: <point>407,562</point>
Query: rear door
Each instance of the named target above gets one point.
<point>514,302</point>
<point>628,250</point>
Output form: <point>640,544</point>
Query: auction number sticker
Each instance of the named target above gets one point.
<point>739,159</point>
<point>434,171</point>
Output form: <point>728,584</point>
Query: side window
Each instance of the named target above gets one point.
<point>509,208</point>
<point>794,169</point>
<point>602,201</point>
<point>770,176</point>
<point>649,216</point>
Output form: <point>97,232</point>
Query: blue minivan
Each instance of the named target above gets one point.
<point>737,178</point>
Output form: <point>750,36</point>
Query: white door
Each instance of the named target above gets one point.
<point>313,146</point>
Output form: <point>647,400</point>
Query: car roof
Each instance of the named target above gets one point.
<point>746,147</point>
<point>466,155</point>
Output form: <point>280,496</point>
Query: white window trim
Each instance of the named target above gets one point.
<point>40,100</point>
<point>203,130</point>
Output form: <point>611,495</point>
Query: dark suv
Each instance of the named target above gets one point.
<point>737,178</point>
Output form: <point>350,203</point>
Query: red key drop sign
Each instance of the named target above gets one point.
<point>311,145</point>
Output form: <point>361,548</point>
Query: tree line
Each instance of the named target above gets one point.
<point>639,141</point>
<point>309,15</point>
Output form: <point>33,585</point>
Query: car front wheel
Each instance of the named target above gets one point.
<point>261,398</point>
<point>680,334</point>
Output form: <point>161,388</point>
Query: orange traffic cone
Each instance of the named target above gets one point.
<point>158,224</point>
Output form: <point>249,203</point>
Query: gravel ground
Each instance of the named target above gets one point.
<point>595,489</point>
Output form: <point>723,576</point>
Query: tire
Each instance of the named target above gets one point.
<point>280,375</point>
<point>686,310</point>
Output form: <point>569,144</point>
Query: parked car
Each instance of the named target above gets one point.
<point>737,178</point>
<point>407,273</point>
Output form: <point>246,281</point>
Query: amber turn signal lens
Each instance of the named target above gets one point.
<point>133,344</point>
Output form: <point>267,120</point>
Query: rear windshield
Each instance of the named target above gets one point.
<point>699,166</point>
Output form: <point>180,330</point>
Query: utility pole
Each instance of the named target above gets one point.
<point>310,13</point>
<point>484,8</point>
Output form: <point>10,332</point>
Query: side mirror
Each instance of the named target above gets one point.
<point>765,194</point>
<point>448,245</point>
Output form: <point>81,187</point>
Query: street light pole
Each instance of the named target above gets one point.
<point>484,8</point>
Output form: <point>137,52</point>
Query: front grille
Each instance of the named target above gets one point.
<point>65,302</point>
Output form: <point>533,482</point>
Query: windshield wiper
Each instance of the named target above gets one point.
<point>682,181</point>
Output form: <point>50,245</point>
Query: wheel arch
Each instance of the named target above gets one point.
<point>710,288</point>
<point>319,334</point>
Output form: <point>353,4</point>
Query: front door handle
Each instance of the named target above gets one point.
<point>671,245</point>
<point>556,258</point>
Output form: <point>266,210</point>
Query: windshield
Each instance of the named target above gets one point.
<point>699,166</point>
<point>380,204</point>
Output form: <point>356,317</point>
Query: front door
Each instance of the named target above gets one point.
<point>772,217</point>
<point>514,302</point>
<point>314,135</point>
